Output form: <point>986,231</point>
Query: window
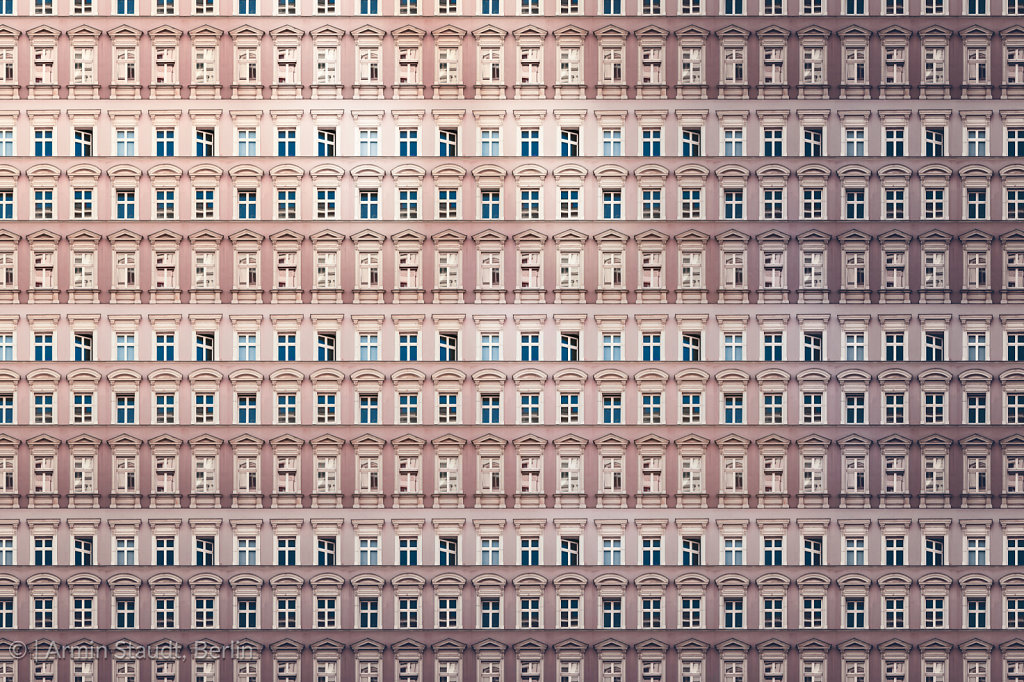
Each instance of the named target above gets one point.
<point>204,142</point>
<point>611,144</point>
<point>529,142</point>
<point>855,610</point>
<point>855,142</point>
<point>934,346</point>
<point>732,347</point>
<point>448,551</point>
<point>611,408</point>
<point>894,141</point>
<point>977,617</point>
<point>611,612</point>
<point>895,66</point>
<point>977,141</point>
<point>732,201</point>
<point>813,137</point>
<point>813,551</point>
<point>894,617</point>
<point>650,142</point>
<point>124,142</point>
<point>935,142</point>
<point>732,142</point>
<point>83,142</point>
<point>286,141</point>
<point>934,551</point>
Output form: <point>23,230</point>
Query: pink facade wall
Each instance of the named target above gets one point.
<point>733,509</point>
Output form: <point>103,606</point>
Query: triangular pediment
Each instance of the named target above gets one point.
<point>490,235</point>
<point>489,644</point>
<point>448,235</point>
<point>409,439</point>
<point>368,645</point>
<point>408,235</point>
<point>124,236</point>
<point>124,439</point>
<point>164,235</point>
<point>286,235</point>
<point>448,644</point>
<point>489,439</point>
<point>651,30</point>
<point>368,439</point>
<point>773,235</point>
<point>975,644</point>
<point>88,31</point>
<point>530,236</point>
<point>895,31</point>
<point>570,235</point>
<point>611,644</point>
<point>651,235</point>
<point>570,30</point>
<point>651,644</point>
<point>327,235</point>
<point>975,31</point>
<point>286,31</point>
<point>326,645</point>
<point>814,236</point>
<point>205,31</point>
<point>773,644</point>
<point>854,644</point>
<point>408,31</point>
<point>366,30</point>
<point>772,31</point>
<point>327,31</point>
<point>287,644</point>
<point>84,236</point>
<point>732,644</point>
<point>448,439</point>
<point>530,644</point>
<point>773,439</point>
<point>165,31</point>
<point>814,439</point>
<point>975,439</point>
<point>895,644</point>
<point>732,235</point>
<point>732,439</point>
<point>692,31</point>
<point>611,235</point>
<point>529,31</point>
<point>571,644</point>
<point>449,31</point>
<point>854,235</point>
<point>814,644</point>
<point>611,30</point>
<point>732,31</point>
<point>814,31</point>
<point>692,644</point>
<point>368,235</point>
<point>975,235</point>
<point>895,236</point>
<point>205,235</point>
<point>124,30</point>
<point>205,439</point>
<point>408,644</point>
<point>692,235</point>
<point>895,439</point>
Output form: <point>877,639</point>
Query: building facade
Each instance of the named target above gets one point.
<point>511,340</point>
